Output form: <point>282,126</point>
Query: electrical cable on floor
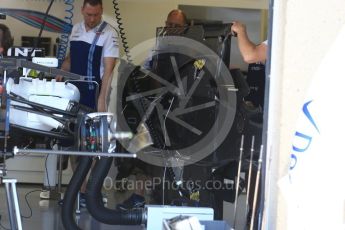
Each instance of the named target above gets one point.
<point>28,193</point>
<point>27,202</point>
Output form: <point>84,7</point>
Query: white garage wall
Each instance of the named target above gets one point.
<point>303,33</point>
<point>140,17</point>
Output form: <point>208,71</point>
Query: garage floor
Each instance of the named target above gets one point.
<point>46,213</point>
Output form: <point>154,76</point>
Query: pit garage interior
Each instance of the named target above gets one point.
<point>199,140</point>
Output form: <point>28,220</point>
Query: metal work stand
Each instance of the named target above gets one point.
<point>12,203</point>
<point>76,153</point>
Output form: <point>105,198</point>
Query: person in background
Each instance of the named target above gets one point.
<point>253,54</point>
<point>93,52</point>
<point>6,40</point>
<point>175,23</point>
<point>176,19</point>
<point>250,52</point>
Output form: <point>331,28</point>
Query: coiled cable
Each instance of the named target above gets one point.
<point>64,37</point>
<point>122,31</point>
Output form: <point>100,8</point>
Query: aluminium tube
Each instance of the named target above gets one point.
<point>17,151</point>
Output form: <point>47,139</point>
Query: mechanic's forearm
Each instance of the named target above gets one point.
<point>247,48</point>
<point>66,64</point>
<point>104,91</point>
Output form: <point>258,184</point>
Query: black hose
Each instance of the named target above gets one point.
<point>95,204</point>
<point>72,192</point>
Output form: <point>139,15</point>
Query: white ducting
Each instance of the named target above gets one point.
<point>49,93</point>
